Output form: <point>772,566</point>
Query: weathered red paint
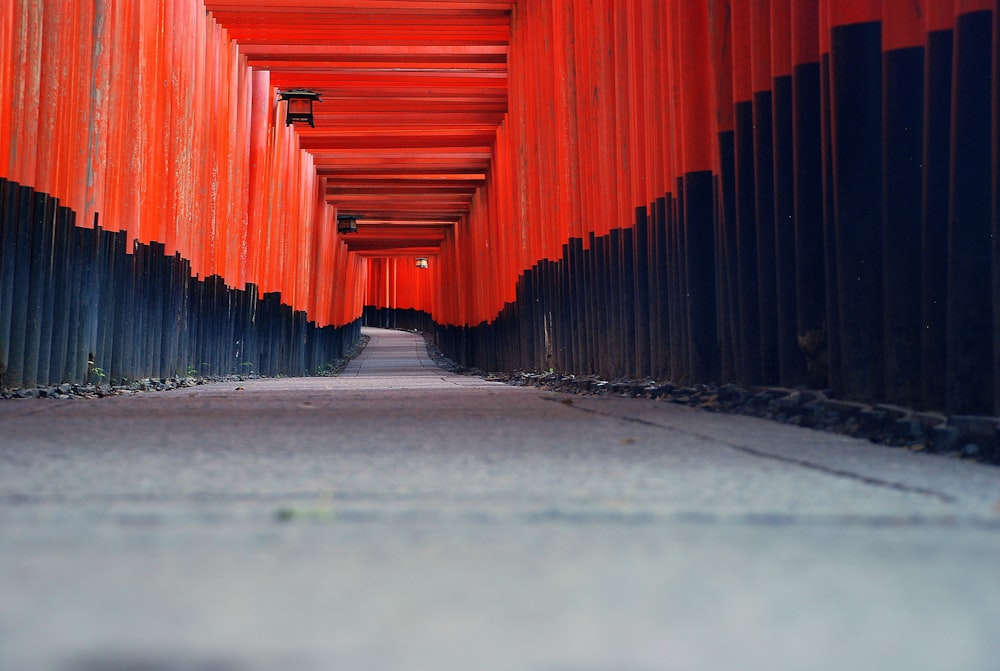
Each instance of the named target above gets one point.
<point>903,25</point>
<point>968,6</point>
<point>760,45</point>
<point>781,38</point>
<point>722,63</point>
<point>695,89</point>
<point>742,53</point>
<point>147,115</point>
<point>805,31</point>
<point>846,12</point>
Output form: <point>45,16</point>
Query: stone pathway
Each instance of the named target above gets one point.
<point>401,517</point>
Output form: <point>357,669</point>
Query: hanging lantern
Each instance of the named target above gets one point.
<point>347,223</point>
<point>300,105</point>
<point>421,262</point>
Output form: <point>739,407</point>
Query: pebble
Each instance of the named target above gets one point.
<point>970,451</point>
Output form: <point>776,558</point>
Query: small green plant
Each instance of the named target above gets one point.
<point>191,372</point>
<point>95,373</point>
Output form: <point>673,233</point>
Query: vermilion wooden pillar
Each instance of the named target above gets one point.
<point>830,335</point>
<point>8,65</point>
<point>726,226</point>
<point>970,337</point>
<point>857,164</point>
<point>807,160</point>
<point>903,70</point>
<point>762,109</point>
<point>748,361</point>
<point>698,139</point>
<point>674,278</point>
<point>996,206</point>
<point>791,361</point>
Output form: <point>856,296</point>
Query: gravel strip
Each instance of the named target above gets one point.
<point>970,437</point>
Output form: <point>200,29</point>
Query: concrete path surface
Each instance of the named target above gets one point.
<point>401,517</point>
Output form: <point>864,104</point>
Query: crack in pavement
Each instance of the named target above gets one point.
<point>761,454</point>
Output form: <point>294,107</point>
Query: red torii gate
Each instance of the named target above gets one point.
<point>738,190</point>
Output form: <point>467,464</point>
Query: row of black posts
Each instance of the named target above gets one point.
<point>406,319</point>
<point>84,305</point>
<point>850,241</point>
<point>601,309</point>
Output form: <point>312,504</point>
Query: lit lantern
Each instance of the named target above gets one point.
<point>300,105</point>
<point>347,223</point>
<point>421,262</point>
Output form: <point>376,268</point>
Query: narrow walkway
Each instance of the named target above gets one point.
<point>399,360</point>
<point>402,517</point>
<point>392,354</point>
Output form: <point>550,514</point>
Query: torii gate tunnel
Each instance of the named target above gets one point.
<point>759,191</point>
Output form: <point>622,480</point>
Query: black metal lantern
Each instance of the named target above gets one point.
<point>347,223</point>
<point>300,105</point>
<point>422,263</point>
